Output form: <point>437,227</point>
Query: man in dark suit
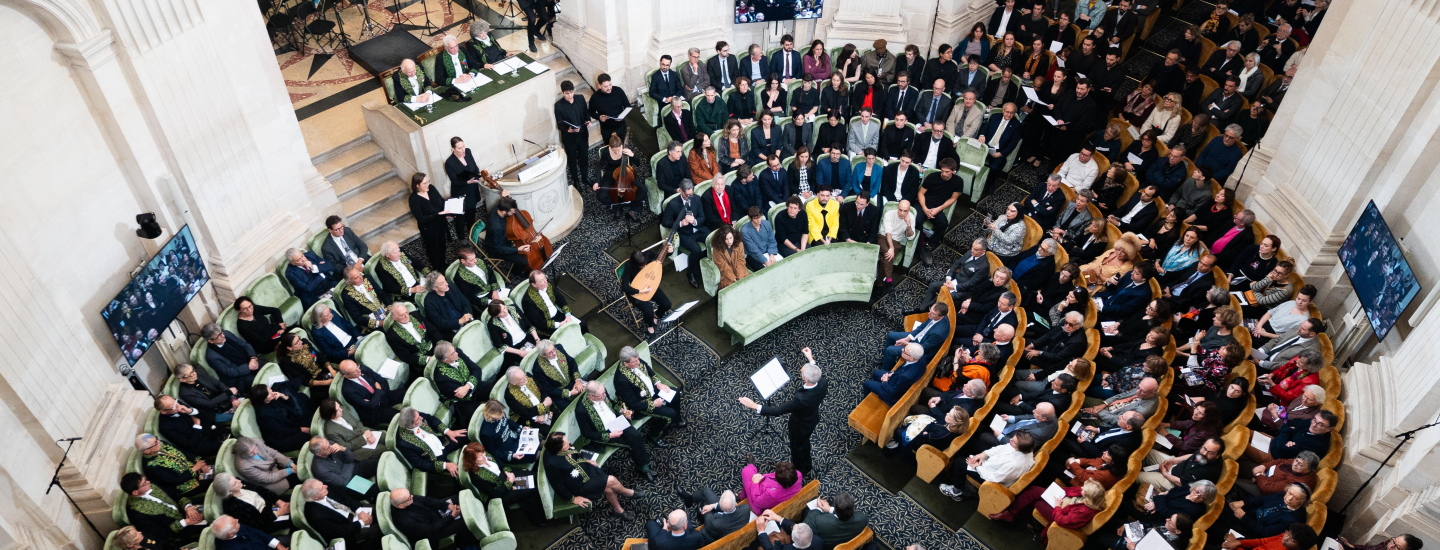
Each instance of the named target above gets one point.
<point>336,466</point>
<point>941,68</point>
<point>1005,19</point>
<point>786,61</point>
<point>1126,434</point>
<point>233,359</point>
<point>901,181</point>
<point>966,275</point>
<point>930,334</point>
<point>1224,104</point>
<point>932,107</point>
<point>859,220</point>
<point>1036,266</point>
<point>231,535</point>
<point>1045,202</point>
<point>721,206</point>
<point>774,184</point>
<point>686,216</point>
<point>182,428</point>
<point>1224,63</point>
<point>342,247</point>
<point>446,309</point>
<point>721,514</point>
<point>723,68</point>
<point>587,413</point>
<point>804,410</point>
<point>898,136</point>
<point>1120,22</point>
<point>1136,215</point>
<point>368,393</point>
<point>310,276</point>
<point>424,518</point>
<point>1188,286</point>
<point>972,78</point>
<point>665,83</point>
<point>1001,133</point>
<point>1058,346</point>
<point>476,279</point>
<point>1126,294</point>
<point>675,531</point>
<point>1107,78</point>
<point>754,66</point>
<point>336,337</point>
<point>453,63</point>
<point>1040,426</point>
<point>408,336</point>
<point>1003,85</point>
<point>901,100</point>
<point>677,120</point>
<point>410,83</point>
<point>204,393</point>
<point>984,329</point>
<point>1058,394</point>
<point>281,411</point>
<point>890,384</point>
<point>934,143</point>
<point>1168,74</point>
<point>334,520</point>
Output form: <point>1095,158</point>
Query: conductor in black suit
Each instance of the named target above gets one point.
<point>804,410</point>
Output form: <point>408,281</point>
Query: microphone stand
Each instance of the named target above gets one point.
<point>1404,437</point>
<point>1247,164</point>
<point>55,482</point>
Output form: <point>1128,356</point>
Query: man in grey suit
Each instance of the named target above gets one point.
<point>335,466</point>
<point>694,76</point>
<point>1143,399</point>
<point>257,463</point>
<point>1075,218</point>
<point>722,515</point>
<point>964,121</point>
<point>342,247</point>
<point>864,133</point>
<point>1041,425</point>
<point>1289,344</point>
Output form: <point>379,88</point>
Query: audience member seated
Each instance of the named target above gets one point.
<point>1255,261</point>
<point>251,505</point>
<point>362,299</point>
<point>801,537</point>
<point>300,363</point>
<point>1107,469</point>
<point>311,277</point>
<point>170,469</point>
<point>1036,265</point>
<point>1203,425</point>
<point>765,491</point>
<point>1234,400</point>
<point>263,466</point>
<point>1298,436</point>
<point>1193,194</point>
<point>1117,260</point>
<point>1267,516</point>
<point>1005,236</point>
<point>923,429</point>
<point>1188,500</point>
<point>1276,475</point>
<point>343,247</point>
<point>166,520</point>
<point>1143,399</point>
<point>598,411</point>
<point>407,337</point>
<point>500,435</point>
<point>368,393</point>
<point>721,514</point>
<point>1034,382</point>
<point>1185,288</point>
<point>1220,332</point>
<point>674,532</point>
<point>1074,510</point>
<point>234,360</point>
<point>967,276</point>
<point>334,520</point>
<point>1269,291</point>
<point>260,326</point>
<point>1001,464</point>
<point>425,518</point>
<point>581,482</point>
<point>792,228</point>
<point>546,309</point>
<point>860,220</point>
<point>824,217</point>
<point>1185,470</point>
<point>1138,213</point>
<point>460,383</point>
<point>642,391</point>
<point>1134,329</point>
<point>983,320</point>
<point>1288,381</point>
<point>1108,188</point>
<point>1061,344</point>
<point>1284,318</point>
<point>446,311</point>
<point>398,276</point>
<point>1297,536</point>
<point>510,333</point>
<point>489,478</point>
<point>283,414</point>
<point>976,305</point>
<point>214,402</point>
<point>1228,243</point>
<point>336,337</point>
<point>1074,219</point>
<point>1131,365</point>
<point>722,207</point>
<point>344,428</point>
<point>425,444</point>
<point>182,427</point>
<point>1092,443</point>
<point>758,237</point>
<point>1126,294</point>
<point>477,280</point>
<point>890,384</point>
<point>1042,425</point>
<point>1204,373</point>
<point>527,406</point>
<point>836,520</point>
<point>1080,170</point>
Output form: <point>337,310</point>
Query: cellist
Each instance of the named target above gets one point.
<point>611,158</point>
<point>496,244</point>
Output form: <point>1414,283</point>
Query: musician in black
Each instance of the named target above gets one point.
<point>572,119</point>
<point>657,305</point>
<point>496,245</point>
<point>611,157</point>
<point>685,217</point>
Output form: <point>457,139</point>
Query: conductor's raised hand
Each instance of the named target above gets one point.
<point>749,404</point>
<point>809,356</point>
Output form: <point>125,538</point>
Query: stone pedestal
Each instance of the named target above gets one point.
<point>864,21</point>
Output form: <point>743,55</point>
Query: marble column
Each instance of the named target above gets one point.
<point>589,31</point>
<point>864,21</point>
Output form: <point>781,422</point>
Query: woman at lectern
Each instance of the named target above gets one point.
<point>428,207</point>
<point>464,181</point>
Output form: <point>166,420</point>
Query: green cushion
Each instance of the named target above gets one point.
<point>373,351</point>
<point>755,305</point>
<point>392,473</point>
<point>225,458</point>
<point>244,425</point>
<point>316,241</point>
<point>383,519</point>
<point>423,396</point>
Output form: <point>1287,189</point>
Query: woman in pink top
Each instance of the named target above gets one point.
<point>816,62</point>
<point>765,491</point>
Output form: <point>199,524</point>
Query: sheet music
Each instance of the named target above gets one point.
<point>622,114</point>
<point>537,67</point>
<point>277,379</point>
<point>466,87</point>
<point>1132,158</point>
<point>617,424</point>
<point>553,255</point>
<point>680,311</point>
<point>1051,120</point>
<point>770,378</point>
<point>997,424</point>
<point>1030,93</point>
<point>1153,541</point>
<point>455,205</point>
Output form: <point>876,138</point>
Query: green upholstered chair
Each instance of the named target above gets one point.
<point>244,425</point>
<point>270,290</point>
<point>229,319</point>
<point>110,543</point>
<point>134,463</point>
<point>316,241</point>
<point>392,472</point>
<point>488,524</point>
<point>587,349</point>
<point>652,188</point>
<point>755,305</point>
<point>280,266</point>
<point>297,515</point>
<point>389,84</point>
<point>474,340</point>
<point>373,351</point>
<point>207,539</point>
<point>518,291</point>
<point>152,423</point>
<point>213,507</point>
<point>119,514</point>
<point>197,357</point>
<point>423,396</point>
<point>225,458</point>
<point>564,422</point>
<point>700,189</point>
<point>301,540</point>
<point>302,461</point>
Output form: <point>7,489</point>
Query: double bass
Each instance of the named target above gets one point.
<point>520,230</point>
<point>624,189</point>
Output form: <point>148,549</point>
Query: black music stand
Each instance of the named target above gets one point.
<point>370,26</point>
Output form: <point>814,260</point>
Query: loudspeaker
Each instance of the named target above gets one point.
<point>149,229</point>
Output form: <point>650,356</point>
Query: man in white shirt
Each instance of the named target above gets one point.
<point>397,275</point>
<point>1080,170</point>
<point>546,309</point>
<point>412,85</point>
<point>896,228</point>
<point>1002,464</point>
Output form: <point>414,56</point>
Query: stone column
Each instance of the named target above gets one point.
<point>864,21</point>
<point>588,31</point>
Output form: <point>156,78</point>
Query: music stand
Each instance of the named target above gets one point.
<point>339,23</point>
<point>370,25</point>
<point>768,380</point>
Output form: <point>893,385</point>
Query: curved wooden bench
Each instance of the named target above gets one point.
<point>931,461</point>
<point>995,497</point>
<point>755,305</point>
<point>791,509</point>
<point>877,421</point>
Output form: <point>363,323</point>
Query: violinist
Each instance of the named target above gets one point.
<point>611,158</point>
<point>686,216</point>
<point>572,118</point>
<point>657,305</point>
<point>464,180</point>
<point>496,245</point>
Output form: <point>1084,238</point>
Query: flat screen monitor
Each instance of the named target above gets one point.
<point>1378,270</point>
<point>157,293</point>
<point>760,11</point>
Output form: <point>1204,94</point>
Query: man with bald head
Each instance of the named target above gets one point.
<point>426,518</point>
<point>1143,399</point>
<point>408,336</point>
<point>890,384</point>
<point>411,84</point>
<point>1041,425</point>
<point>230,534</point>
<point>363,300</point>
<point>1004,341</point>
<point>596,410</point>
<point>368,393</point>
<point>183,428</point>
<point>722,514</point>
<point>674,532</point>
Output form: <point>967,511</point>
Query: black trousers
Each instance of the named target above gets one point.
<point>529,502</point>
<point>631,438</point>
<point>666,416</point>
<point>940,223</point>
<point>456,527</point>
<point>650,310</point>
<point>800,433</point>
<point>691,243</point>
<point>577,155</point>
<point>515,258</point>
<point>753,265</point>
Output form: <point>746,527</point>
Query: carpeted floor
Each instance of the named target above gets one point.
<point>846,340</point>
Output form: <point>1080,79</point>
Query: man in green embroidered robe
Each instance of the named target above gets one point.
<point>158,516</point>
<point>595,412</point>
<point>173,471</point>
<point>411,84</point>
<point>528,405</point>
<point>642,391</point>
<point>545,308</point>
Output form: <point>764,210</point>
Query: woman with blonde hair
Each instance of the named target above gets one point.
<point>1074,510</point>
<point>1165,118</point>
<point>1117,260</point>
<point>922,429</point>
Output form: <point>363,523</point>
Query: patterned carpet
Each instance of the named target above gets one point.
<point>846,340</point>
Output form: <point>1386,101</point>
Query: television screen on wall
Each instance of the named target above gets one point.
<point>155,295</point>
<point>760,11</point>
<point>1378,270</point>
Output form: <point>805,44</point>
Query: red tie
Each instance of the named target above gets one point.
<point>367,386</point>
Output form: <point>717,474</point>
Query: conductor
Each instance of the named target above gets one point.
<point>804,410</point>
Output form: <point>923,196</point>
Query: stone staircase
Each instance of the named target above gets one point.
<point>373,196</point>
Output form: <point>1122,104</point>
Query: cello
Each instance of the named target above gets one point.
<point>520,230</point>
<point>623,190</point>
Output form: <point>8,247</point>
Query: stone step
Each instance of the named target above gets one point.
<point>383,216</point>
<point>374,195</point>
<point>398,233</point>
<point>362,177</point>
<point>327,155</point>
<point>344,162</point>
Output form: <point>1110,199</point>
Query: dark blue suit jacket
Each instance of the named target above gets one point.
<point>310,286</point>
<point>330,348</point>
<point>280,420</point>
<point>822,172</point>
<point>900,381</point>
<point>1124,299</point>
<point>374,409</point>
<point>1005,143</point>
<point>1042,209</point>
<point>248,538</point>
<point>773,187</point>
<point>660,539</point>
<point>777,64</point>
<point>935,338</point>
<point>660,88</point>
